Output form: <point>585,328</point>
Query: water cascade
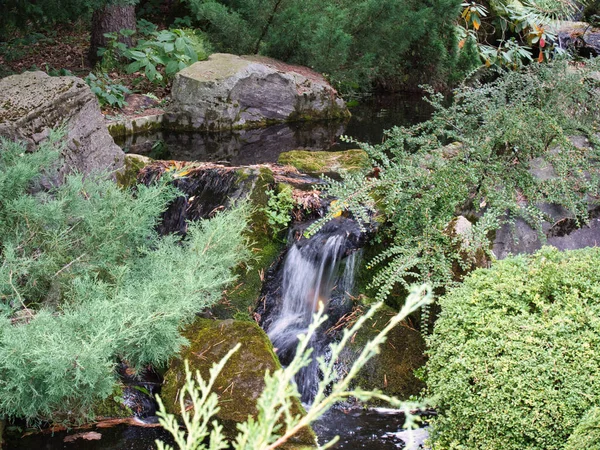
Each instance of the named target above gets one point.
<point>318,269</point>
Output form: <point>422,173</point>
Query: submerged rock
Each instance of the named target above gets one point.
<point>229,91</point>
<point>33,103</point>
<point>392,370</point>
<point>326,162</point>
<point>242,380</point>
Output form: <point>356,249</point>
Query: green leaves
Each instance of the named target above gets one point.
<point>107,92</point>
<point>85,281</point>
<point>512,361</point>
<point>168,50</point>
<point>279,208</point>
<point>474,158</point>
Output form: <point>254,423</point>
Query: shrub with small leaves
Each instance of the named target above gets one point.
<point>513,360</point>
<point>475,157</point>
<point>587,434</point>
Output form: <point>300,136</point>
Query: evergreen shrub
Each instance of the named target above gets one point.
<point>86,282</point>
<point>587,434</point>
<point>513,356</point>
<point>354,42</point>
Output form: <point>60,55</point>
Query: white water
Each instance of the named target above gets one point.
<point>311,274</point>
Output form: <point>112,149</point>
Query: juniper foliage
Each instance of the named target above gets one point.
<point>85,282</point>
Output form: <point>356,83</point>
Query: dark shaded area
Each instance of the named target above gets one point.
<point>121,437</point>
<point>364,429</point>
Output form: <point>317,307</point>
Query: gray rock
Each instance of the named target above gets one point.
<point>560,230</point>
<point>33,103</point>
<point>229,91</point>
<point>580,37</point>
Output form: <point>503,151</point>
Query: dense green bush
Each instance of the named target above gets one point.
<point>396,41</point>
<point>85,282</point>
<point>474,158</point>
<point>513,356</point>
<point>587,434</point>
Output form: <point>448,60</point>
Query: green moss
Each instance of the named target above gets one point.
<point>127,176</point>
<point>112,406</point>
<point>326,162</point>
<point>241,299</point>
<point>392,371</point>
<point>117,129</point>
<point>242,380</point>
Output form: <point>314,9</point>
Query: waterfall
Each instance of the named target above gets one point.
<point>319,269</point>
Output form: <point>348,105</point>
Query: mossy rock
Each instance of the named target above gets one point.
<point>326,162</point>
<point>112,407</point>
<point>245,292</point>
<point>392,371</point>
<point>242,380</point>
<point>133,163</point>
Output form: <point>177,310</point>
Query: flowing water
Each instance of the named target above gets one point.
<point>319,269</point>
<point>315,270</point>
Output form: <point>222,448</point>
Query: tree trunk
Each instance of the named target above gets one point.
<point>111,18</point>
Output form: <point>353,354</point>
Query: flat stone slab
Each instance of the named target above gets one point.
<point>33,103</point>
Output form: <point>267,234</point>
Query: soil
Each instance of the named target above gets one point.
<point>63,51</point>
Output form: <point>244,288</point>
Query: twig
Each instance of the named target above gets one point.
<point>68,265</point>
<point>10,274</point>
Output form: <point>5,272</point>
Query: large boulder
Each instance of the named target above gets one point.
<point>33,103</point>
<point>242,380</point>
<point>229,91</point>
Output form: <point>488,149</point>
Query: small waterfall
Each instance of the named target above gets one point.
<point>319,269</point>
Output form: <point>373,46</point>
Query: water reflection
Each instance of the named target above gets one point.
<point>245,147</point>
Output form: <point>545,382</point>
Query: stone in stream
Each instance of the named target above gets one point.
<point>328,163</point>
<point>580,37</point>
<point>242,380</point>
<point>229,91</point>
<point>392,370</point>
<point>33,103</point>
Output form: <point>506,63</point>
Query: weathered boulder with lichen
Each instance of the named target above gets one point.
<point>33,103</point>
<point>242,380</point>
<point>229,91</point>
<point>392,370</point>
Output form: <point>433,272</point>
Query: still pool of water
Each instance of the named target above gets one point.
<point>264,145</point>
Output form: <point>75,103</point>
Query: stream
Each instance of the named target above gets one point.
<point>318,269</point>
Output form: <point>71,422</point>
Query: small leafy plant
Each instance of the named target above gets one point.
<point>107,92</point>
<point>159,55</point>
<point>279,208</point>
